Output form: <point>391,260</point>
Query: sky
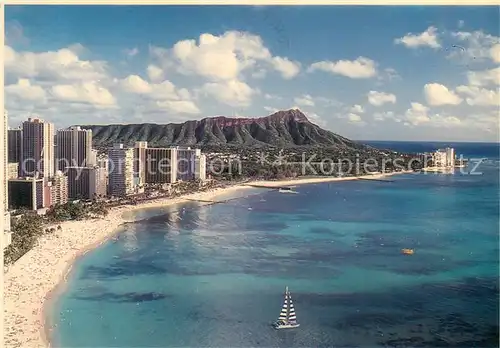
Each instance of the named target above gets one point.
<point>364,72</point>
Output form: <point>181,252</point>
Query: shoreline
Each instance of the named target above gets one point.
<point>33,282</point>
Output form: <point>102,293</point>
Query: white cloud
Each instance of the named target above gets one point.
<point>360,68</point>
<point>233,92</point>
<point>484,78</point>
<point>179,106</point>
<point>271,97</point>
<point>380,98</point>
<point>131,52</point>
<point>135,84</point>
<point>23,89</point>
<point>286,67</point>
<point>428,38</point>
<point>155,73</point>
<point>223,57</point>
<point>417,114</point>
<point>167,95</point>
<point>477,96</point>
<point>354,118</point>
<point>305,100</point>
<point>357,109</point>
<point>437,94</point>
<point>271,109</point>
<point>495,53</point>
<point>478,46</point>
<point>63,64</point>
<point>85,92</point>
<point>383,116</point>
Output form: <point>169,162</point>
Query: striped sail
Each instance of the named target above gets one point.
<point>291,314</point>
<point>288,311</point>
<point>284,309</point>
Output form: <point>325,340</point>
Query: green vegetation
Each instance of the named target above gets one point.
<point>76,211</point>
<point>28,226</point>
<point>25,229</point>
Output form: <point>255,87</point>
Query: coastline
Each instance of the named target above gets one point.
<point>31,283</point>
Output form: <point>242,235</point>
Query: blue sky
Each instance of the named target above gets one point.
<point>395,73</point>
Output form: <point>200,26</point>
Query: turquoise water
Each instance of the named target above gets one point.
<point>199,276</point>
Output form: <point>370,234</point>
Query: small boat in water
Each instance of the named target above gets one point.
<point>287,319</point>
<point>407,251</point>
<point>286,190</point>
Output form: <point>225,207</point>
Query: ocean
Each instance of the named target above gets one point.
<point>214,275</point>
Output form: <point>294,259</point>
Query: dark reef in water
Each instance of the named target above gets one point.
<point>131,297</point>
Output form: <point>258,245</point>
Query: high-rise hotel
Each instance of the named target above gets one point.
<point>120,170</point>
<point>37,153</point>
<point>74,148</point>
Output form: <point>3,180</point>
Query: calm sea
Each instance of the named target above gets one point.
<point>200,276</point>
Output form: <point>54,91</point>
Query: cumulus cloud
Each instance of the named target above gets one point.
<point>429,38</point>
<point>131,52</point>
<point>23,89</point>
<point>166,95</point>
<point>479,46</point>
<point>155,73</point>
<point>417,114</point>
<point>232,92</point>
<point>484,78</point>
<point>437,94</point>
<point>63,64</point>
<point>305,100</point>
<point>354,118</point>
<point>384,116</point>
<point>357,109</point>
<point>271,109</point>
<point>179,106</point>
<point>420,115</point>
<point>360,68</point>
<point>477,96</point>
<point>286,67</point>
<point>84,92</point>
<point>495,53</point>
<point>380,98</point>
<point>223,57</point>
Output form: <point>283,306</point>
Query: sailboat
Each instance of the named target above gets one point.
<point>287,319</point>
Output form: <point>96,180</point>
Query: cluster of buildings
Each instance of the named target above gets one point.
<point>43,167</point>
<point>442,158</point>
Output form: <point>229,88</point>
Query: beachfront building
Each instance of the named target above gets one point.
<point>86,182</point>
<point>14,144</point>
<point>186,163</point>
<point>29,192</point>
<point>191,164</point>
<point>59,188</point>
<point>73,148</point>
<point>444,157</point>
<point>140,162</point>
<point>4,187</point>
<point>161,165</point>
<point>37,152</point>
<point>450,157</point>
<point>200,165</point>
<point>120,170</point>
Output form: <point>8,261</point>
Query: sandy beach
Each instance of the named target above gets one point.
<point>30,281</point>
